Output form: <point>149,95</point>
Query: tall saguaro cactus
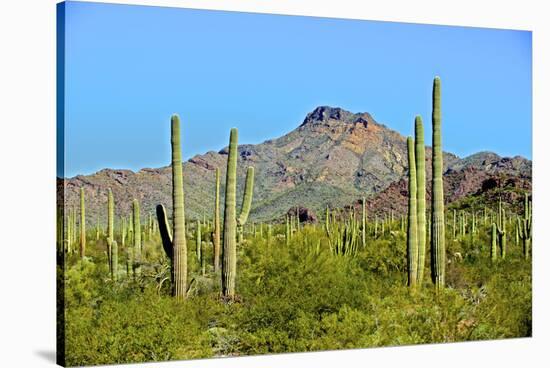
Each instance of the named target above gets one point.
<point>110,226</point>
<point>524,227</point>
<point>82,224</point>
<point>420,159</point>
<point>501,228</point>
<point>198,236</point>
<point>438,210</point>
<point>217,229</point>
<point>137,237</point>
<point>494,242</point>
<point>175,246</point>
<point>364,223</point>
<point>412,239</point>
<point>114,260</point>
<point>229,262</point>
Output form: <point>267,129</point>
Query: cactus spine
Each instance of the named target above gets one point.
<point>217,223</point>
<point>82,224</point>
<point>420,159</point>
<point>412,239</point>
<point>438,210</point>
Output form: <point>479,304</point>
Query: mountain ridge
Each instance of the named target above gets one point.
<point>332,158</point>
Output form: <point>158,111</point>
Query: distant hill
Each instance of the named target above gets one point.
<point>334,157</point>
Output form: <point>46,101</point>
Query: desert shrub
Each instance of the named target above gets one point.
<point>296,297</point>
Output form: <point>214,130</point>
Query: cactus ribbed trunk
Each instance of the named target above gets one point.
<point>82,224</point>
<point>217,223</point>
<point>229,263</point>
<point>420,159</point>
<point>438,210</point>
<point>412,239</point>
<point>179,242</point>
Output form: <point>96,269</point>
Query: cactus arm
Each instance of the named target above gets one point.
<point>165,232</point>
<point>247,198</point>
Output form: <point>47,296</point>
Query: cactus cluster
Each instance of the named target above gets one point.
<point>343,236</point>
<point>416,229</point>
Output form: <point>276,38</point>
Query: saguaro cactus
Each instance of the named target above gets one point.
<point>114,260</point>
<point>137,238</point>
<point>110,225</point>
<point>123,231</point>
<point>524,227</point>
<point>176,246</point>
<point>438,211</point>
<point>229,263</point>
<point>287,230</point>
<point>501,228</point>
<point>217,229</point>
<point>412,239</point>
<point>70,230</point>
<point>420,159</point>
<point>493,242</point>
<point>82,224</point>
<point>198,237</point>
<point>364,223</point>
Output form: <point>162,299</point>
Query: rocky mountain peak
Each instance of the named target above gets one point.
<point>324,114</point>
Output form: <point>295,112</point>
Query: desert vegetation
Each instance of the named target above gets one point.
<point>166,286</point>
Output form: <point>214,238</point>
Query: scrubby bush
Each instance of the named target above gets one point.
<point>295,297</point>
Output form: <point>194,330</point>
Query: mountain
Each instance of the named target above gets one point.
<point>332,158</point>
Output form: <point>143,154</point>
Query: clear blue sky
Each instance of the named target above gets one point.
<point>128,68</point>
